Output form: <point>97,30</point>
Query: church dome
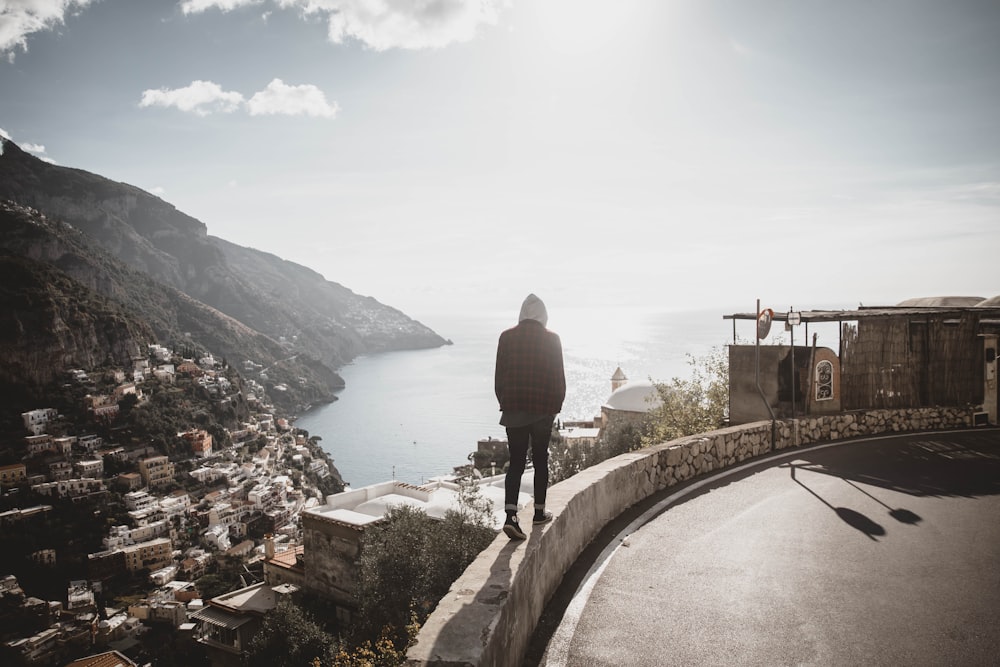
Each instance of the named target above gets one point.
<point>634,397</point>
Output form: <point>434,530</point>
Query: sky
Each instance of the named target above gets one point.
<point>451,156</point>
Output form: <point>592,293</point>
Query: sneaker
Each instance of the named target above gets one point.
<point>513,529</point>
<point>542,517</point>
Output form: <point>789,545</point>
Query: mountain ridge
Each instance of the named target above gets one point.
<point>287,309</point>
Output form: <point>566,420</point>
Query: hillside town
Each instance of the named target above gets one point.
<point>200,514</point>
<point>199,539</point>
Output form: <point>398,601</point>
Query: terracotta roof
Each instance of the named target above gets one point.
<point>109,659</point>
<point>288,558</point>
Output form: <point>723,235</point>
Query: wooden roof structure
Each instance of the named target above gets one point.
<point>988,316</point>
<point>911,355</point>
<point>865,312</point>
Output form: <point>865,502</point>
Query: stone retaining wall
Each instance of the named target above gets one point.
<point>490,612</point>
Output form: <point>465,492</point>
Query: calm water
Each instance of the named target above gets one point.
<point>418,414</point>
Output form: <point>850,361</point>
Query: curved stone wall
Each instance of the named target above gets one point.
<point>490,612</point>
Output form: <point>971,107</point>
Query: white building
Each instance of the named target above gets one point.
<point>576,436</point>
<point>163,576</point>
<point>90,468</point>
<point>90,442</point>
<point>69,487</point>
<point>363,506</point>
<point>159,352</point>
<point>36,421</point>
<point>120,537</point>
<point>165,376</point>
<point>140,500</point>
<point>64,444</point>
<point>175,504</point>
<point>217,536</point>
<point>631,401</point>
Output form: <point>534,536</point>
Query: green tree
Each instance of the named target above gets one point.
<point>391,575</point>
<point>620,437</point>
<point>127,403</point>
<point>565,460</point>
<point>458,539</point>
<point>290,637</point>
<point>214,585</point>
<point>694,405</point>
<point>409,561</point>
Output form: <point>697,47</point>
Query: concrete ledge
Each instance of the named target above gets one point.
<point>490,612</point>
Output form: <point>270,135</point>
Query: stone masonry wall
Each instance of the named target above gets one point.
<point>332,552</point>
<point>490,612</point>
<point>692,456</point>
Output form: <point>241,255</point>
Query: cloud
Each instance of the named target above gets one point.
<point>405,24</point>
<point>199,6</point>
<point>379,24</point>
<point>37,149</point>
<point>201,98</point>
<point>205,97</point>
<point>279,98</point>
<point>23,17</point>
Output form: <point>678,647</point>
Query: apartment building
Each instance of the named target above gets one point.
<point>13,474</point>
<point>156,471</point>
<point>151,555</point>
<point>36,421</point>
<point>200,442</point>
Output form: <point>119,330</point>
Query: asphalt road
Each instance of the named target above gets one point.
<point>880,551</point>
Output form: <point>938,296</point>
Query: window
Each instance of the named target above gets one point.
<point>824,381</point>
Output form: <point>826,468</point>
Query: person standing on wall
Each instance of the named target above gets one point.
<point>530,386</point>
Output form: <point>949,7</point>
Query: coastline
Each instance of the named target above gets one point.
<point>415,414</point>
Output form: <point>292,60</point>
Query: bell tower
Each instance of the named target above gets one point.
<point>618,379</point>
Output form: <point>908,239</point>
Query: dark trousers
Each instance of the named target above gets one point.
<point>519,438</point>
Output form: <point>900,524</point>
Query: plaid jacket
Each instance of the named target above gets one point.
<point>529,371</point>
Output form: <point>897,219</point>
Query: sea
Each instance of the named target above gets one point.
<point>415,415</point>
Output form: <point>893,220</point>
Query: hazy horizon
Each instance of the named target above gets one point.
<point>454,156</point>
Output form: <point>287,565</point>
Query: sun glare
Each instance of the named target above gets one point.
<point>574,27</point>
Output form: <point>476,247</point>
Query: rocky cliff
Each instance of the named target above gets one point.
<point>162,265</point>
<point>50,323</point>
<point>131,308</point>
<point>275,297</point>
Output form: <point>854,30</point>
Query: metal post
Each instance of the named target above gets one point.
<point>791,331</point>
<point>756,372</point>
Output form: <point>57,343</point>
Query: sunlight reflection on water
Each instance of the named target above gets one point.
<point>420,413</point>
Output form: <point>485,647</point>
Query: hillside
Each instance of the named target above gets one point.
<point>162,266</point>
<point>66,303</point>
<point>49,322</point>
